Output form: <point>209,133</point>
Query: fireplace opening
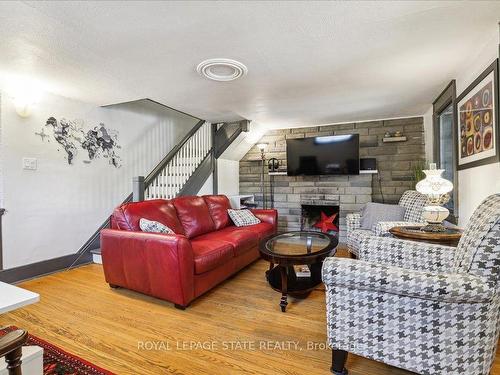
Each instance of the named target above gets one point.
<point>320,218</point>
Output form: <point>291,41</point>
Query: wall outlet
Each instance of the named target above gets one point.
<point>30,164</point>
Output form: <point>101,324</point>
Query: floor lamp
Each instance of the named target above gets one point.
<point>262,147</point>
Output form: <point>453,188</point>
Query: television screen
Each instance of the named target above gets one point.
<point>337,154</point>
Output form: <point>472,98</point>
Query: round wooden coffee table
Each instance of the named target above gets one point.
<point>448,238</point>
<point>296,248</point>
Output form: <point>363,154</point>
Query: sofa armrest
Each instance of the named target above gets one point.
<point>381,229</point>
<point>267,216</point>
<point>408,254</point>
<point>353,221</point>
<point>161,265</point>
<point>441,287</point>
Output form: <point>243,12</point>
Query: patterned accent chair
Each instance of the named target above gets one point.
<point>425,308</point>
<point>412,200</point>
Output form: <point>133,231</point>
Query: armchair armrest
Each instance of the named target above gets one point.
<point>381,229</point>
<point>158,264</point>
<point>441,287</point>
<point>353,221</point>
<point>267,216</point>
<point>408,254</point>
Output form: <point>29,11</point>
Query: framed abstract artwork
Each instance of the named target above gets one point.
<point>478,129</point>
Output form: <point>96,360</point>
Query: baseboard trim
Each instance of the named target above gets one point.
<point>30,271</point>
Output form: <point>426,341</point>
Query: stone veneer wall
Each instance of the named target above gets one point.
<point>395,163</point>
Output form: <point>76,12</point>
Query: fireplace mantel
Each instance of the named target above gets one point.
<point>322,202</point>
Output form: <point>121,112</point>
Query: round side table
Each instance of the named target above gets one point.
<point>448,238</point>
<point>285,250</point>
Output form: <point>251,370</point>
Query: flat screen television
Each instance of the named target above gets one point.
<point>328,155</point>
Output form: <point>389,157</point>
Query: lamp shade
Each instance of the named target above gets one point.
<point>261,146</point>
<point>434,185</point>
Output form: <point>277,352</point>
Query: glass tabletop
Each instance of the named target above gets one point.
<point>298,243</point>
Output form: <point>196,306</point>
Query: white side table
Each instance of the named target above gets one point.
<point>13,297</point>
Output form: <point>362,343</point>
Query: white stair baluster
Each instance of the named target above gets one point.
<point>172,178</point>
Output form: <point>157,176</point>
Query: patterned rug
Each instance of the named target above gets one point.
<point>59,362</point>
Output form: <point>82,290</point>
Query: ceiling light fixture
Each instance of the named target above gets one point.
<point>222,70</point>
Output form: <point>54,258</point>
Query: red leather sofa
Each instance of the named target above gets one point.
<point>205,249</point>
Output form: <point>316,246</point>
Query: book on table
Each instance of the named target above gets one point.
<point>302,270</point>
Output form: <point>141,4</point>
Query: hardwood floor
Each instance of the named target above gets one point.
<point>239,322</point>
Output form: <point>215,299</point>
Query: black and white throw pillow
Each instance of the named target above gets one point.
<point>154,227</point>
<point>243,218</point>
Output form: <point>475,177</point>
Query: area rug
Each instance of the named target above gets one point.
<point>59,362</point>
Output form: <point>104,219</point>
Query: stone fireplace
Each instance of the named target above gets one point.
<point>395,163</point>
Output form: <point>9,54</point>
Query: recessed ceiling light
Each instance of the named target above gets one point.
<point>221,69</point>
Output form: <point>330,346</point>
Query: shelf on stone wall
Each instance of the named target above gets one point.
<point>366,171</point>
<point>394,139</point>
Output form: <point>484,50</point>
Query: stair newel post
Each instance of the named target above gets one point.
<point>138,189</point>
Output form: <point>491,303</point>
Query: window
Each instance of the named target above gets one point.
<point>445,141</point>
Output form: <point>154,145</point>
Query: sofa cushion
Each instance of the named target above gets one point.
<point>209,255</point>
<point>218,206</point>
<point>240,239</point>
<point>194,215</point>
<point>262,229</point>
<point>127,216</point>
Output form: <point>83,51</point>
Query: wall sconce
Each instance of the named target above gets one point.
<point>25,94</point>
<point>23,107</point>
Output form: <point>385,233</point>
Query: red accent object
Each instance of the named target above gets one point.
<point>59,362</point>
<point>326,223</point>
<point>180,267</point>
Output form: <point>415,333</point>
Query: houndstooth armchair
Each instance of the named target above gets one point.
<point>414,203</point>
<point>425,308</point>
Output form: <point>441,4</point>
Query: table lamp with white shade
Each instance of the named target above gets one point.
<point>436,188</point>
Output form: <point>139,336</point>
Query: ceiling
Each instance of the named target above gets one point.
<point>309,62</point>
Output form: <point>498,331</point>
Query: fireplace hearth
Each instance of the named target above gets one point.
<point>320,216</point>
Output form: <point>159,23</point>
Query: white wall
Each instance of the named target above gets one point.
<point>53,210</point>
<point>228,173</point>
<point>428,135</point>
<point>474,184</point>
